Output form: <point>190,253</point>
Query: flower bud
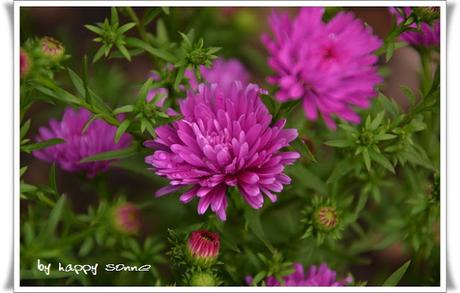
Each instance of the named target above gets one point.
<point>203,248</point>
<point>24,63</point>
<point>52,48</point>
<point>127,218</point>
<point>203,279</point>
<point>326,218</point>
<point>426,14</point>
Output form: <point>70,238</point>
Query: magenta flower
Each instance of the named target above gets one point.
<point>79,144</point>
<point>330,66</point>
<point>316,277</point>
<point>224,72</point>
<point>427,36</point>
<point>224,140</point>
<point>127,218</point>
<point>203,247</point>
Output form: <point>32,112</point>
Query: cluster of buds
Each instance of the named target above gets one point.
<point>322,220</point>
<point>40,56</point>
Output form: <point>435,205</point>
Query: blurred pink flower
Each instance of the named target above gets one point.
<point>330,66</point>
<point>316,277</point>
<point>79,144</point>
<point>127,218</point>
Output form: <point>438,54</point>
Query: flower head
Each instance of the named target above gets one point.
<point>203,247</point>
<point>224,140</point>
<point>316,276</point>
<point>127,218</point>
<point>330,66</point>
<point>52,48</point>
<point>428,34</point>
<point>24,63</point>
<point>222,71</point>
<point>79,143</point>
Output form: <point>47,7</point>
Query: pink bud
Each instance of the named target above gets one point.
<point>203,247</point>
<point>127,218</point>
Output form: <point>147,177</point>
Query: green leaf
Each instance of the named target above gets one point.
<point>77,82</point>
<point>23,170</point>
<point>24,129</point>
<point>409,94</point>
<point>254,223</point>
<point>179,77</point>
<point>121,129</point>
<point>114,16</point>
<point>55,215</point>
<point>111,155</point>
<point>339,143</point>
<point>259,277</point>
<point>394,279</point>
<point>162,54</point>
<point>382,160</point>
<point>123,109</point>
<point>40,145</point>
<point>94,29</point>
<point>99,53</point>
<point>124,51</point>
<point>150,15</point>
<point>367,159</point>
<point>126,27</point>
<point>340,170</point>
<point>377,121</point>
<point>27,188</point>
<point>52,177</point>
<point>165,10</point>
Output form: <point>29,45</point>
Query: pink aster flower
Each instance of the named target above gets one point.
<point>79,144</point>
<point>330,66</point>
<point>224,72</point>
<point>224,140</point>
<point>316,277</point>
<point>427,36</point>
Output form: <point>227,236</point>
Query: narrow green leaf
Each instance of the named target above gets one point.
<point>121,129</point>
<point>55,215</point>
<point>340,170</point>
<point>179,77</point>
<point>377,120</point>
<point>27,188</point>
<point>24,129</point>
<point>367,159</point>
<point>165,10</point>
<point>254,223</point>
<point>111,155</point>
<point>23,170</point>
<point>94,29</point>
<point>114,16</point>
<point>393,279</point>
<point>339,143</point>
<point>99,53</point>
<point>382,160</point>
<point>40,145</point>
<point>123,109</point>
<point>52,177</point>
<point>126,27</point>
<point>77,82</point>
<point>162,54</point>
<point>124,51</point>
